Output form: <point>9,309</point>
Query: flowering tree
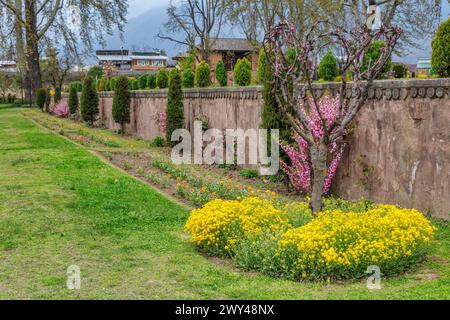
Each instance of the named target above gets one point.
<point>321,125</point>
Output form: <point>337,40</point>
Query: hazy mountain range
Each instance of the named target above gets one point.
<point>141,30</point>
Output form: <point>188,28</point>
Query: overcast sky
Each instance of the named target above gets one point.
<point>140,6</point>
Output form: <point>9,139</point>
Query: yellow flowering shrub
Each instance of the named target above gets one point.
<point>340,244</point>
<point>220,224</point>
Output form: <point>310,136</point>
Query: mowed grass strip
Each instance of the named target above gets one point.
<point>60,205</point>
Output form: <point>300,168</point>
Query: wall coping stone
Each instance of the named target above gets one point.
<point>382,89</point>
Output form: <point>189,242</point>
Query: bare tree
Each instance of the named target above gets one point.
<point>36,21</point>
<point>198,20</point>
<point>290,59</point>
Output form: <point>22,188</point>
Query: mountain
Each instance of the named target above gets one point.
<point>140,32</point>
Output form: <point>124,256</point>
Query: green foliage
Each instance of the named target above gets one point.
<point>188,78</point>
<point>57,97</point>
<point>89,101</point>
<point>221,74</point>
<point>107,85</point>
<point>130,83</point>
<point>151,81</point>
<point>243,72</point>
<point>248,173</point>
<point>48,99</point>
<point>175,109</point>
<point>142,81</point>
<point>96,72</point>
<point>440,57</point>
<point>373,54</point>
<point>135,84</point>
<point>328,67</point>
<point>41,97</point>
<point>400,70</point>
<point>272,117</point>
<point>262,63</point>
<point>78,85</point>
<point>162,79</point>
<point>121,103</point>
<point>203,75</point>
<point>101,85</point>
<point>158,142</point>
<point>73,99</point>
<point>112,83</point>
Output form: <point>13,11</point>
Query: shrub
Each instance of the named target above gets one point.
<point>57,96</point>
<point>101,85</point>
<point>96,72</point>
<point>400,70</point>
<point>135,84</point>
<point>112,83</point>
<point>342,245</point>
<point>373,53</point>
<point>41,97</point>
<point>175,109</point>
<point>89,101</point>
<point>262,65</point>
<point>61,109</point>
<point>242,72</point>
<point>188,78</point>
<point>121,103</point>
<point>142,82</point>
<point>203,75</point>
<point>151,81</point>
<point>158,142</point>
<point>162,79</point>
<point>221,73</point>
<point>107,85</point>
<point>218,226</point>
<point>79,85</point>
<point>328,67</point>
<point>73,100</point>
<point>48,99</point>
<point>440,56</point>
<point>248,173</point>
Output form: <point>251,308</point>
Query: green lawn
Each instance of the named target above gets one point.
<point>61,205</point>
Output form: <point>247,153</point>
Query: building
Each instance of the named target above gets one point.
<point>8,66</point>
<point>136,62</point>
<point>229,50</point>
<point>424,66</point>
<point>119,58</point>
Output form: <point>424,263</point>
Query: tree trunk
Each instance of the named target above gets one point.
<point>20,54</point>
<point>32,50</point>
<point>319,154</point>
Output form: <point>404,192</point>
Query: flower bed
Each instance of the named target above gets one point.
<point>286,242</point>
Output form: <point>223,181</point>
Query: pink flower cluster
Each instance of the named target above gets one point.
<point>162,121</point>
<point>61,109</point>
<point>299,171</point>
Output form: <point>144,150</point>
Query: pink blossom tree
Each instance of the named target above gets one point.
<point>321,125</point>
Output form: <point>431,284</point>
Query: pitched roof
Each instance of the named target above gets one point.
<point>231,44</point>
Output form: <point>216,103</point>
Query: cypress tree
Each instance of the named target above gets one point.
<point>328,67</point>
<point>175,109</point>
<point>142,80</point>
<point>121,103</point>
<point>41,97</point>
<point>203,75</point>
<point>89,101</point>
<point>73,100</point>
<point>162,78</point>
<point>151,81</point>
<point>221,74</point>
<point>188,78</point>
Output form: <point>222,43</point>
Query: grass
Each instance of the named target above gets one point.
<point>61,205</point>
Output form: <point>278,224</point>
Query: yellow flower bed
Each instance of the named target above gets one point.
<point>337,244</point>
<point>219,224</point>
